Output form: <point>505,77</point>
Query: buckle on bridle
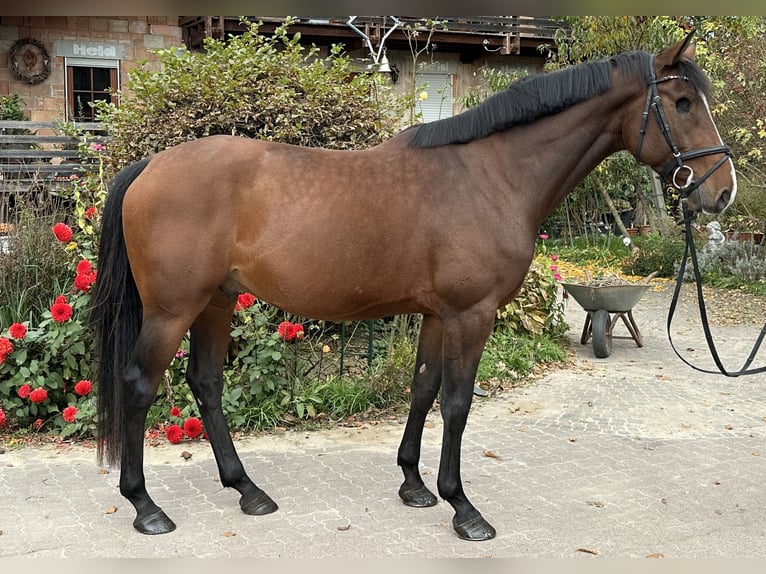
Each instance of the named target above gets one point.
<point>689,177</point>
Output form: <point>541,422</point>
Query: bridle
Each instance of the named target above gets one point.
<point>673,171</point>
<point>676,167</point>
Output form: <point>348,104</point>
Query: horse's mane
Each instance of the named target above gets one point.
<point>541,95</point>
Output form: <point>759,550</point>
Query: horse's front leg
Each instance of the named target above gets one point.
<point>464,337</point>
<point>425,386</point>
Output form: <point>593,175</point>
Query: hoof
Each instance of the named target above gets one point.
<point>157,523</point>
<point>419,497</point>
<point>475,529</point>
<point>258,506</point>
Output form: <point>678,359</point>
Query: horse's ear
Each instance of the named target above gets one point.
<point>681,50</point>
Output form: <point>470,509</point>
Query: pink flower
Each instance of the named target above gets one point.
<point>38,395</point>
<point>69,414</point>
<point>192,427</point>
<point>23,391</point>
<point>63,232</point>
<point>90,213</point>
<point>554,257</point>
<point>38,424</point>
<point>557,276</point>
<point>174,434</point>
<point>18,331</point>
<point>98,147</point>
<point>83,387</point>
<point>2,418</point>
<point>175,412</point>
<point>543,236</point>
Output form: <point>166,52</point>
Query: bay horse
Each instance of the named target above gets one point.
<point>439,220</point>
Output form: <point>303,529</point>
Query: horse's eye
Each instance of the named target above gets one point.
<point>683,106</point>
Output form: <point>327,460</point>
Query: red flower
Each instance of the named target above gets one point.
<point>192,427</point>
<point>174,434</point>
<point>24,391</point>
<point>90,213</point>
<point>83,281</point>
<point>37,424</point>
<point>175,412</point>
<point>83,387</point>
<point>62,232</point>
<point>38,395</point>
<point>69,414</point>
<point>18,331</point>
<point>6,348</point>
<point>290,331</point>
<point>84,267</point>
<point>244,300</point>
<point>61,311</point>
<point>2,418</point>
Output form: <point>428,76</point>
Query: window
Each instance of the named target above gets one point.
<point>438,104</point>
<point>89,80</point>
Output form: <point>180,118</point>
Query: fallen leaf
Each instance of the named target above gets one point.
<point>229,534</point>
<point>729,427</point>
<point>103,471</point>
<point>717,482</point>
<point>756,453</point>
<point>111,510</point>
<point>587,550</point>
<point>344,528</point>
<point>595,503</point>
<point>186,455</point>
<point>572,439</point>
<point>686,426</point>
<point>491,454</point>
<point>656,555</point>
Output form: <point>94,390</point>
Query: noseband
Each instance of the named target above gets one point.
<point>675,172</point>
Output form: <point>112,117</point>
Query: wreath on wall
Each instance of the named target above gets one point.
<point>29,61</point>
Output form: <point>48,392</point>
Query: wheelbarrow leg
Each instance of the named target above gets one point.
<point>630,323</point>
<point>586,330</point>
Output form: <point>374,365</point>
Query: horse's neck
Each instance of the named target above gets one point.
<point>567,146</point>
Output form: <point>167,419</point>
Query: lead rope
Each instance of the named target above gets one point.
<point>690,251</point>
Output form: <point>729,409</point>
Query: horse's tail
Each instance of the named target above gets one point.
<point>115,316</point>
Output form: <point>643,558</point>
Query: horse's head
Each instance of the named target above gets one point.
<point>676,135</point>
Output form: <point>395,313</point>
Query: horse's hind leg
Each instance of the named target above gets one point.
<point>425,386</point>
<point>156,344</point>
<point>209,341</point>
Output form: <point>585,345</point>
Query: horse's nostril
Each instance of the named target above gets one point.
<point>724,199</point>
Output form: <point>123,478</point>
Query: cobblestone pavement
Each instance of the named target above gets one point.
<point>629,456</point>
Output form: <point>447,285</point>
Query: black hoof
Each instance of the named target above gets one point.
<point>157,523</point>
<point>475,529</point>
<point>419,497</point>
<point>258,506</point>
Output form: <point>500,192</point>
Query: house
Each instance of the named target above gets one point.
<point>57,64</point>
<point>442,58</point>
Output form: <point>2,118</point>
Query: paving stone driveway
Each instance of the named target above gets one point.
<point>629,456</point>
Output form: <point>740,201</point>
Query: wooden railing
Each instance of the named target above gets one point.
<point>37,155</point>
<point>39,158</point>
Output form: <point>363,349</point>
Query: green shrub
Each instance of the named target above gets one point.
<point>656,253</point>
<point>257,86</point>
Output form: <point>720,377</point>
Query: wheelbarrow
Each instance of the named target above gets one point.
<point>604,305</point>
